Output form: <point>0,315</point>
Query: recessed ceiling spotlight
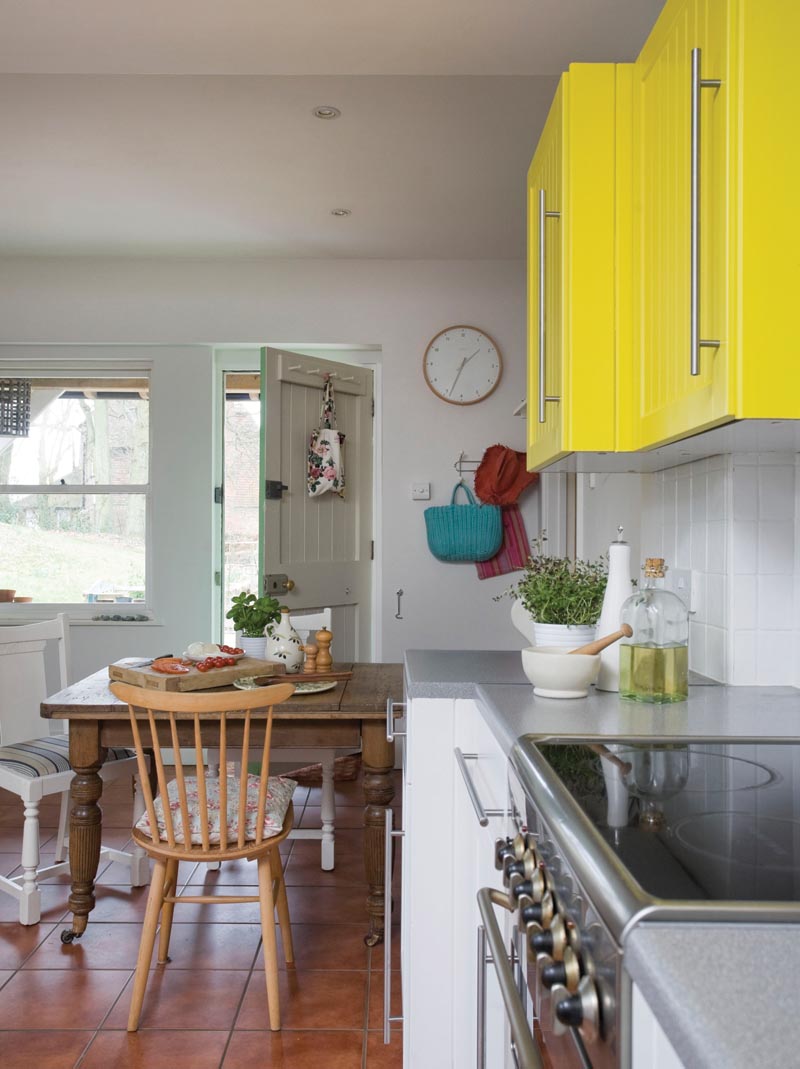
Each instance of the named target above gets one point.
<point>325,111</point>
<point>341,211</point>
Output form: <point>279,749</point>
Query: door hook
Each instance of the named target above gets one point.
<point>397,615</point>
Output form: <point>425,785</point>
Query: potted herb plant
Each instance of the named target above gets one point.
<point>251,616</point>
<point>557,601</point>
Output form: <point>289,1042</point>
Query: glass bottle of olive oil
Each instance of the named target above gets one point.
<point>654,660</point>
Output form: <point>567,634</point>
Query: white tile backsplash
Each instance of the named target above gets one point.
<point>734,521</point>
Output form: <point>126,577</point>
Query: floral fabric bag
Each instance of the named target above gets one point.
<point>326,450</point>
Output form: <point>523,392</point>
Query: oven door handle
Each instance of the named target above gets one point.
<point>525,1050</point>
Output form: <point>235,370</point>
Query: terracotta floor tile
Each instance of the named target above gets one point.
<point>327,946</point>
<point>18,941</point>
<point>303,869</point>
<point>44,1050</point>
<point>327,905</point>
<point>12,816</point>
<point>118,904</point>
<point>9,862</point>
<point>241,873</point>
<point>381,1056</point>
<point>184,999</point>
<point>40,1000</point>
<point>346,817</point>
<point>349,844</point>
<point>346,794</point>
<point>156,1050</point>
<point>213,946</point>
<point>308,999</point>
<point>103,946</point>
<point>294,1050</point>
<point>377,957</point>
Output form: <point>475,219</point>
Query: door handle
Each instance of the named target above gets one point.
<point>697,343</point>
<point>543,215</point>
<point>388,1020</point>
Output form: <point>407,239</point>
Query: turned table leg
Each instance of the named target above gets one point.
<point>378,762</point>
<point>86,757</point>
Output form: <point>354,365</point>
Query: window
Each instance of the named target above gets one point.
<point>74,493</point>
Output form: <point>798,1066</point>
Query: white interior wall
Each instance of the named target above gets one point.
<point>185,307</point>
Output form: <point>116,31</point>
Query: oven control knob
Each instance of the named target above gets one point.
<point>581,1010</point>
<point>553,941</point>
<point>566,972</point>
<point>503,848</point>
<point>538,913</point>
<point>532,883</point>
<point>525,867</point>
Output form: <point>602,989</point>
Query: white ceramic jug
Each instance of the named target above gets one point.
<point>283,643</point>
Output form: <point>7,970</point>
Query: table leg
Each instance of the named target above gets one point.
<point>86,757</point>
<point>378,761</point>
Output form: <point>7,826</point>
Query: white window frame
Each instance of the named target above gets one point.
<point>69,367</point>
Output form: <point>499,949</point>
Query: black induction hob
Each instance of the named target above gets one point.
<point>694,821</point>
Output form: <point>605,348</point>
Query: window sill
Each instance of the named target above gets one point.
<point>78,615</point>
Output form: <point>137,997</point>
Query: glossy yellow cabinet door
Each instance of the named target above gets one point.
<point>714,102</point>
<point>571,374</point>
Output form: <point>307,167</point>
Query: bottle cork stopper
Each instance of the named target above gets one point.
<point>654,568</point>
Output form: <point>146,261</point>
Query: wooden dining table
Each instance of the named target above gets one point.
<point>353,714</point>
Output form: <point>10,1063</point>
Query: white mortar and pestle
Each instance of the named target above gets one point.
<point>556,674</point>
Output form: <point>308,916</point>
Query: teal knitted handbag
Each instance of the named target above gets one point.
<point>464,532</point>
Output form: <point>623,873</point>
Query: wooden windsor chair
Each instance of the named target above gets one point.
<point>227,818</point>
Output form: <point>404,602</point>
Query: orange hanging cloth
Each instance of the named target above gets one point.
<point>500,479</point>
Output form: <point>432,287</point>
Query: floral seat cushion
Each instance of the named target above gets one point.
<point>279,795</point>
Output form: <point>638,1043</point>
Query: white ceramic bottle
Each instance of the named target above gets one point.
<point>283,643</point>
<point>618,590</point>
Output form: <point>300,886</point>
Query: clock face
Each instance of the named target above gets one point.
<point>462,365</point>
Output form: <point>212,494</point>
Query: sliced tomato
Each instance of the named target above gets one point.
<point>170,666</point>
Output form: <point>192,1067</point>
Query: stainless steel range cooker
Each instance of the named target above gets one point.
<point>606,836</point>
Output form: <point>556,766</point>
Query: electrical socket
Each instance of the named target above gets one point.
<point>681,584</point>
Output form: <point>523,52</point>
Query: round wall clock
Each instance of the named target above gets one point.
<point>462,365</point>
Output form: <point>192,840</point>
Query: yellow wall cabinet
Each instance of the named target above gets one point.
<point>714,254</point>
<point>571,271</point>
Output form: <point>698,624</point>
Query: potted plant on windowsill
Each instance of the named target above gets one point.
<point>251,617</point>
<point>557,601</point>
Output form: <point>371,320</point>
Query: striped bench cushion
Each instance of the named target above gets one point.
<point>44,757</point>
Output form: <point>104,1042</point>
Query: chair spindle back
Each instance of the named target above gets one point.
<point>156,719</point>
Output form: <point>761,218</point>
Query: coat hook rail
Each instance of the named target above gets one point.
<point>465,463</point>
<point>319,371</point>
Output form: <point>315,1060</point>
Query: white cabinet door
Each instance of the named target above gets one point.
<point>651,1048</point>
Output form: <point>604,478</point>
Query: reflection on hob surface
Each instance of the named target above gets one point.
<point>693,821</point>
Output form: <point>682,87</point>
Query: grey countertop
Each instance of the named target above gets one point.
<point>724,994</point>
<point>494,678</point>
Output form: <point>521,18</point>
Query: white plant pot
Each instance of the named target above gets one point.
<point>562,636</point>
<point>253,647</point>
<point>523,621</point>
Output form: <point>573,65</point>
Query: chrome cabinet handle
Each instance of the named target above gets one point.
<point>481,813</point>
<point>391,707</point>
<point>526,1053</point>
<point>480,987</point>
<point>543,215</point>
<point>697,343</point>
<point>390,834</point>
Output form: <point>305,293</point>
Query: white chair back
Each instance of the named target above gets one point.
<point>306,623</point>
<point>23,678</point>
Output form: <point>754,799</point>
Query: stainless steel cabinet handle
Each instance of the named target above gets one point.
<point>481,991</point>
<point>392,707</point>
<point>388,1020</point>
<point>481,813</point>
<point>697,343</point>
<point>543,215</point>
<point>526,1053</point>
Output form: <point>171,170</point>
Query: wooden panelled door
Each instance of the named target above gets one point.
<point>323,544</point>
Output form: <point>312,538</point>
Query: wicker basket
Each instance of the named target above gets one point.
<point>344,769</point>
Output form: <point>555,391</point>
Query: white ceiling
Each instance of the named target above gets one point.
<point>185,127</point>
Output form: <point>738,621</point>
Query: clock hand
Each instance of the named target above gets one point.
<point>464,361</point>
<point>455,380</point>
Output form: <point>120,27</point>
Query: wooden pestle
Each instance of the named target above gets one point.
<point>600,643</point>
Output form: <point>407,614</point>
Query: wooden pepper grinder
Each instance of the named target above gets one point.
<point>310,663</point>
<point>324,659</point>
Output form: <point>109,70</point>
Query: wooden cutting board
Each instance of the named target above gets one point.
<point>195,680</point>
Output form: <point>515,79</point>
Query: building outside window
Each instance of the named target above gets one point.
<point>74,492</point>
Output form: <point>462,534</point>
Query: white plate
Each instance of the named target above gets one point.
<point>304,687</point>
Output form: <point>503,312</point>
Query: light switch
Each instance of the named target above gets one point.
<point>420,491</point>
